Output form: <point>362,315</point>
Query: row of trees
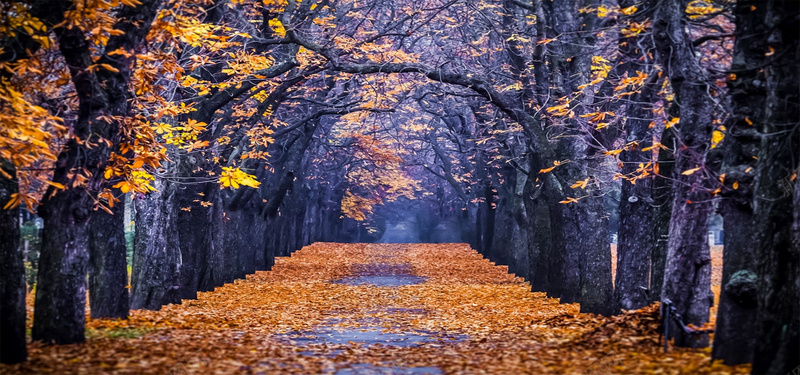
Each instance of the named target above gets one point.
<point>244,130</point>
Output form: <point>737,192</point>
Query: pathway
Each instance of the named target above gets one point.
<point>372,309</point>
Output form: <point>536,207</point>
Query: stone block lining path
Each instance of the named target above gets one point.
<point>372,309</point>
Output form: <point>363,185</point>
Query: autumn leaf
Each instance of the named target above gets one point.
<point>581,184</point>
<point>196,144</point>
<point>555,164</point>
<point>629,10</point>
<point>12,202</point>
<point>55,184</point>
<point>716,137</point>
<point>690,171</point>
<point>672,122</point>
<point>123,186</point>
<point>195,125</point>
<point>232,177</point>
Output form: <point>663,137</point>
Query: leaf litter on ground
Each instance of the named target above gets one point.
<point>462,314</point>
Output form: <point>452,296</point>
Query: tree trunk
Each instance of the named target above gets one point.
<point>12,275</point>
<point>582,251</point>
<point>157,262</point>
<point>108,271</point>
<point>61,286</point>
<point>539,245</point>
<point>211,267</point>
<point>635,239</point>
<point>734,334</point>
<point>636,208</point>
<point>662,212</point>
<point>777,345</point>
<point>777,325</point>
<point>540,242</point>
<point>579,230</point>
<point>734,330</point>
<point>687,278</point>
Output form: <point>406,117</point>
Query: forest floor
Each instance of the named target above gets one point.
<point>373,309</point>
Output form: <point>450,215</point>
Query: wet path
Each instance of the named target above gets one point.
<point>343,309</point>
<point>382,327</point>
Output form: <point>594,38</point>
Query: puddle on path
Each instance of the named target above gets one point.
<point>328,338</point>
<point>382,281</point>
<point>365,335</point>
<point>382,275</point>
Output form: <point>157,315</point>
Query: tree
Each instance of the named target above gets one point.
<point>12,284</point>
<point>687,279</point>
<point>103,93</point>
<point>637,207</point>
<point>758,315</point>
<point>26,130</point>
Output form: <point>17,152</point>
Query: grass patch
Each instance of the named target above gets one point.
<point>116,333</point>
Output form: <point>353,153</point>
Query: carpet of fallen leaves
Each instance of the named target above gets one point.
<point>480,320</point>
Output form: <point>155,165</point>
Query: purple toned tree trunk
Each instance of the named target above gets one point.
<point>687,276</point>
<point>12,275</point>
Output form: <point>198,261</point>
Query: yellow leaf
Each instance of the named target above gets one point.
<point>109,68</point>
<point>277,26</point>
<point>569,200</point>
<point>612,152</point>
<point>735,185</point>
<point>674,121</point>
<point>123,186</point>
<point>655,145</point>
<point>716,137</point>
<point>13,202</point>
<point>690,171</point>
<point>629,10</point>
<point>55,184</point>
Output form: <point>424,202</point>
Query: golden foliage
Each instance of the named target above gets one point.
<point>232,177</point>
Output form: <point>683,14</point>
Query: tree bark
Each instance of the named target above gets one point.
<point>734,334</point>
<point>157,262</point>
<point>108,271</point>
<point>777,342</point>
<point>687,279</point>
<point>636,208</point>
<point>539,245</point>
<point>734,330</point>
<point>12,269</point>
<point>59,313</point>
<point>585,261</point>
<point>662,212</point>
